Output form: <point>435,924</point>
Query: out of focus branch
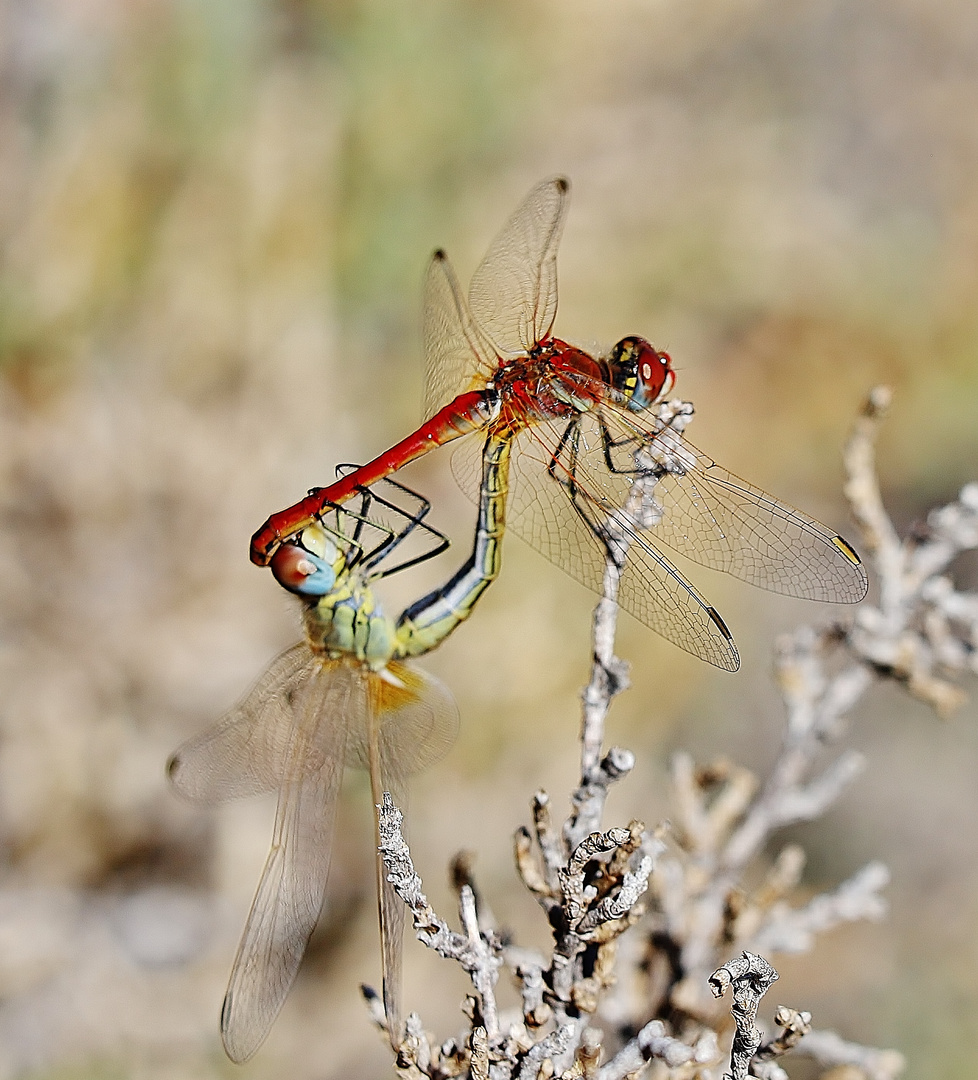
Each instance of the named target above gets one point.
<point>924,632</point>
<point>831,1052</point>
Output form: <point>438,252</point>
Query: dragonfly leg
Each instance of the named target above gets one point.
<point>442,543</point>
<point>413,521</point>
<point>635,443</point>
<point>648,445</point>
<point>566,476</point>
<point>361,517</point>
<point>334,518</point>
<point>610,444</point>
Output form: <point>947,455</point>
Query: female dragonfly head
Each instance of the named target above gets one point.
<point>639,372</point>
<point>310,565</point>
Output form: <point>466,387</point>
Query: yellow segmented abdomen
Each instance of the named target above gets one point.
<point>429,621</point>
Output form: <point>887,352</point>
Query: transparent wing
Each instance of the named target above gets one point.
<point>244,753</point>
<point>417,722</point>
<point>413,722</point>
<point>513,294</point>
<point>391,913</point>
<point>569,476</point>
<point>455,350</point>
<point>718,520</point>
<point>651,588</point>
<point>290,894</point>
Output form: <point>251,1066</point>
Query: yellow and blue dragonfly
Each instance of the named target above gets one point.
<point>345,695</point>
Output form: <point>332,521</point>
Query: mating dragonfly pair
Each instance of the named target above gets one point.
<point>583,438</point>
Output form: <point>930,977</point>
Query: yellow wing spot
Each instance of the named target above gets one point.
<point>847,550</point>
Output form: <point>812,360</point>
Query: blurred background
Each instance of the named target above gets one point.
<point>214,221</point>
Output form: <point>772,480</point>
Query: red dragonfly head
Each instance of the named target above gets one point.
<point>640,372</point>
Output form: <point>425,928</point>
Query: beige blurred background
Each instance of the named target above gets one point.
<point>214,219</point>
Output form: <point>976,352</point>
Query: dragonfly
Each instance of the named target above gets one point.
<point>347,694</point>
<point>585,428</point>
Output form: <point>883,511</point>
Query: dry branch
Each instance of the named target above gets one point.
<point>642,921</point>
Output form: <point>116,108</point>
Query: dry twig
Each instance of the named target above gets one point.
<point>644,996</point>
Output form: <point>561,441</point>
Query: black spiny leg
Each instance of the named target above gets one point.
<point>391,537</point>
<point>567,478</point>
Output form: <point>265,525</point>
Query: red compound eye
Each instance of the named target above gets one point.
<point>653,369</point>
<point>669,376</point>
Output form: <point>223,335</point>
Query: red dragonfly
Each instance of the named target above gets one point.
<point>584,430</point>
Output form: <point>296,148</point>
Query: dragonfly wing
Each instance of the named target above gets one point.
<point>513,294</point>
<point>413,722</point>
<point>454,347</point>
<point>417,721</point>
<point>718,520</point>
<point>293,883</point>
<point>391,912</point>
<point>389,776</point>
<point>244,753</point>
<point>563,529</point>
